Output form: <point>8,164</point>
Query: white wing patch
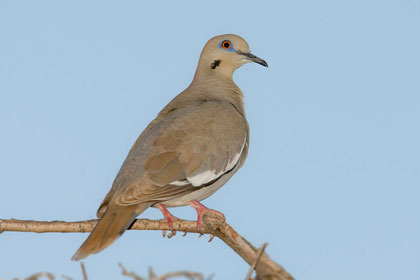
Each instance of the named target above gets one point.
<point>180,183</point>
<point>203,178</point>
<point>209,175</point>
<point>231,164</point>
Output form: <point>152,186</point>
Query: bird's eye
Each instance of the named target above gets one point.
<point>226,44</point>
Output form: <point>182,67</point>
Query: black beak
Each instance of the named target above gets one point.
<point>253,58</point>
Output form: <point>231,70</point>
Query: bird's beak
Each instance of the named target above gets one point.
<point>253,58</point>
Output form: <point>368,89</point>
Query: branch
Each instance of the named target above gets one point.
<point>265,268</point>
<point>257,259</point>
<point>152,276</point>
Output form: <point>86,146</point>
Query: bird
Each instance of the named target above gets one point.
<point>189,151</point>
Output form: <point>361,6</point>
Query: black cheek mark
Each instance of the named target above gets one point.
<point>215,64</point>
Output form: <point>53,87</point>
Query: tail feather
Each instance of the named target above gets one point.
<point>111,226</point>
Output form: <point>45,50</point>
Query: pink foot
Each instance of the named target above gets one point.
<point>168,216</point>
<point>201,209</point>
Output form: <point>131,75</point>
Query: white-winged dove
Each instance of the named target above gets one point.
<point>190,150</point>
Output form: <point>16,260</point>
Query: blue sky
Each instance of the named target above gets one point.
<point>333,174</point>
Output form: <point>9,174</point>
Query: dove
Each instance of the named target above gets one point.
<point>197,142</point>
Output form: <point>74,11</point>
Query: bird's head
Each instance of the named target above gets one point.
<point>225,53</point>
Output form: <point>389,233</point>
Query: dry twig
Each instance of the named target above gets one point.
<point>257,259</point>
<point>82,266</point>
<point>187,274</point>
<point>152,276</point>
<point>41,274</point>
<point>266,269</point>
<point>131,274</point>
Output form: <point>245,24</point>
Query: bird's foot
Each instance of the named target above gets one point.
<point>168,216</point>
<point>213,216</point>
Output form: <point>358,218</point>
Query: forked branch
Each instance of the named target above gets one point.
<point>266,269</point>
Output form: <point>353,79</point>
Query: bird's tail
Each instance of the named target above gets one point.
<point>111,226</point>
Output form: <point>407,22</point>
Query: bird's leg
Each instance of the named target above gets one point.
<point>168,216</point>
<point>201,210</point>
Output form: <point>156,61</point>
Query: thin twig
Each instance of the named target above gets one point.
<point>152,275</point>
<point>40,274</point>
<point>82,265</point>
<point>131,274</point>
<point>257,259</point>
<point>187,274</point>
<point>266,268</point>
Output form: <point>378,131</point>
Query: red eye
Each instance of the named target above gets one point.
<point>226,44</point>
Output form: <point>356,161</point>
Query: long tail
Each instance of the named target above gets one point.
<point>111,226</point>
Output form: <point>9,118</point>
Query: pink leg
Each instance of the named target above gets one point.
<point>201,209</point>
<point>168,216</point>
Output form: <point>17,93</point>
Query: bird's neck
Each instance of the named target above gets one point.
<point>208,68</point>
<point>217,87</point>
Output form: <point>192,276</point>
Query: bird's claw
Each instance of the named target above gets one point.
<point>172,234</point>
<point>207,217</point>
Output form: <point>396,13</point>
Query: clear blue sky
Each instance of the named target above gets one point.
<point>332,180</point>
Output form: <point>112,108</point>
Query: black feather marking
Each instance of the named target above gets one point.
<point>215,64</point>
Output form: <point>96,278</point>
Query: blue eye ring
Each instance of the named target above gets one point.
<point>227,45</point>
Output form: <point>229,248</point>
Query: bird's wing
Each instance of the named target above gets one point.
<point>191,148</point>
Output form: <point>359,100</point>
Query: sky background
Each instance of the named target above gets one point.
<point>332,180</point>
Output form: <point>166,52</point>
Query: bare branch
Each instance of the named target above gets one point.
<point>187,274</point>
<point>131,274</point>
<point>152,276</point>
<point>82,266</point>
<point>265,268</point>
<point>39,275</point>
<point>257,259</point>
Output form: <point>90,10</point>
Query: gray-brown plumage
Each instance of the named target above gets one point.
<point>195,144</point>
